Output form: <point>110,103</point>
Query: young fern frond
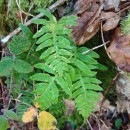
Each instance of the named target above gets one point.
<point>64,66</point>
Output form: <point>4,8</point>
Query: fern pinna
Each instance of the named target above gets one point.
<point>63,67</point>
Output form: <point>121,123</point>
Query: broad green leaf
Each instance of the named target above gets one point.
<point>19,44</point>
<point>3,123</point>
<point>44,67</point>
<point>22,66</point>
<point>11,115</point>
<point>45,37</point>
<point>41,77</point>
<point>6,66</point>
<point>49,15</point>
<point>26,31</point>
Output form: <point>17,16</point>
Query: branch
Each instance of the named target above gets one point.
<point>94,48</point>
<point>16,31</point>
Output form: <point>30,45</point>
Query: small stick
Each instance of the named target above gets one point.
<point>16,31</point>
<point>104,41</point>
<point>94,48</point>
<point>89,125</point>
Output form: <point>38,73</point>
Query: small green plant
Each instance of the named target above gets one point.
<point>7,115</point>
<point>47,67</point>
<point>63,66</point>
<point>125,25</point>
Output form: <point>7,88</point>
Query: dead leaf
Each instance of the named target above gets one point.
<point>119,50</point>
<point>88,23</point>
<point>29,115</point>
<point>46,121</point>
<point>107,15</point>
<point>111,23</point>
<point>82,5</point>
<point>109,4</point>
<point>70,107</point>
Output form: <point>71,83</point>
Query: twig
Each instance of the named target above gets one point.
<point>28,12</point>
<point>94,48</point>
<point>21,11</point>
<point>104,43</point>
<point>22,102</point>
<point>97,120</point>
<point>123,9</point>
<point>89,125</point>
<point>16,31</point>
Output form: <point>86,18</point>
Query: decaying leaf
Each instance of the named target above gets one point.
<point>70,107</point>
<point>46,121</point>
<point>82,5</point>
<point>111,23</point>
<point>109,4</point>
<point>119,50</point>
<point>29,115</point>
<point>88,22</point>
<point>107,15</point>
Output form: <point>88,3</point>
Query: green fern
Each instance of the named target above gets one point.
<point>63,66</point>
<point>125,25</point>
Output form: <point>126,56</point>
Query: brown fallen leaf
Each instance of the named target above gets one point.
<point>88,24</point>
<point>107,15</point>
<point>109,4</point>
<point>82,5</point>
<point>111,23</point>
<point>119,50</point>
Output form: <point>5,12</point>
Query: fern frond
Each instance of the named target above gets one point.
<point>63,65</point>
